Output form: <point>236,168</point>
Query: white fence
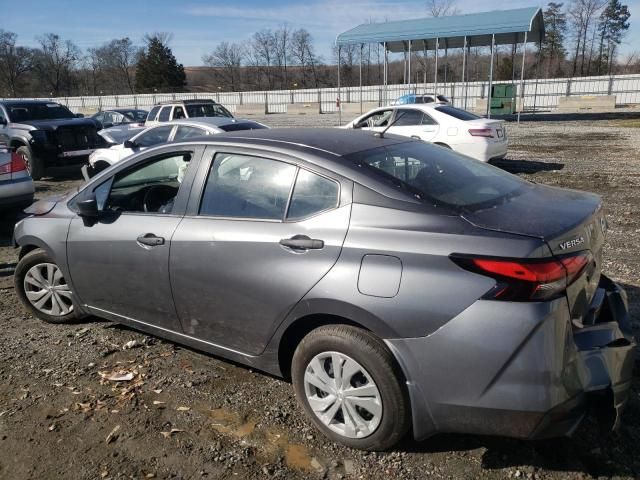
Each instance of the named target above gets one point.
<point>539,95</point>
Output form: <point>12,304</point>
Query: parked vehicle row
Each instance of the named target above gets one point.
<point>400,285</point>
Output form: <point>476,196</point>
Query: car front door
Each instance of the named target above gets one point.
<point>413,122</point>
<point>119,263</point>
<point>259,233</point>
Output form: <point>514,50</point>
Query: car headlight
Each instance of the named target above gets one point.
<point>39,136</point>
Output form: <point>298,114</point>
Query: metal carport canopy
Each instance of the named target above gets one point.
<point>508,26</point>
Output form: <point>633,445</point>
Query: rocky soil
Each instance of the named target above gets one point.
<point>98,400</point>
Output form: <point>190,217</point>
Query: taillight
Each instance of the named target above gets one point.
<point>527,280</point>
<point>15,165</point>
<point>481,132</point>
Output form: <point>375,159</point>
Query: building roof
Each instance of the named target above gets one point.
<point>508,26</point>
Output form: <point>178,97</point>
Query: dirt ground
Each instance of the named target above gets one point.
<point>185,414</point>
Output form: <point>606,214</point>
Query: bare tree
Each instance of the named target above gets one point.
<point>582,14</point>
<point>227,58</point>
<point>282,37</point>
<point>442,8</point>
<point>55,62</point>
<point>262,54</point>
<point>15,61</point>
<point>303,55</point>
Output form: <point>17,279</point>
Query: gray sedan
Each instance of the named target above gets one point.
<point>399,285</point>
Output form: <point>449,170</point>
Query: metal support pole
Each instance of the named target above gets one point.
<point>446,63</point>
<point>435,81</point>
<point>535,91</point>
<point>338,104</point>
<point>493,47</point>
<point>386,71</point>
<point>410,82</point>
<point>404,63</point>
<point>524,53</point>
<point>464,66</point>
<point>361,49</point>
<point>424,52</point>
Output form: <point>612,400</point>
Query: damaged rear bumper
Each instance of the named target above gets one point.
<point>522,370</point>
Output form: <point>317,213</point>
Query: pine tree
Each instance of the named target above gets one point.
<point>555,21</point>
<point>614,23</point>
<point>158,68</point>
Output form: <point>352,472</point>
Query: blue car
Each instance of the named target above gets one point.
<point>422,98</point>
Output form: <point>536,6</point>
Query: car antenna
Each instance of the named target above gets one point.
<point>381,134</point>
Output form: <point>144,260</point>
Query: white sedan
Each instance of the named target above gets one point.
<point>161,133</point>
<point>444,125</point>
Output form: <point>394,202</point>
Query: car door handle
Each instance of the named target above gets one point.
<point>302,242</point>
<point>150,240</point>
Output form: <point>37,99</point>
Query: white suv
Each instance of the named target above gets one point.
<point>181,109</point>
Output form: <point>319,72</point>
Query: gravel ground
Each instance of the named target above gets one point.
<point>185,414</point>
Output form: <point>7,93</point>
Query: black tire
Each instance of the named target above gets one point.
<point>30,260</point>
<point>99,167</point>
<point>34,164</point>
<point>372,354</point>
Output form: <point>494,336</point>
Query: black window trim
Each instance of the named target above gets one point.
<point>260,154</point>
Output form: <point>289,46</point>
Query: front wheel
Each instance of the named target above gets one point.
<point>34,165</point>
<point>350,387</point>
<point>42,289</point>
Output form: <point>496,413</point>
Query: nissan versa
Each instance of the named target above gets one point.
<point>398,284</point>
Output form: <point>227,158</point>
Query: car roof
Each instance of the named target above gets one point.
<point>188,102</point>
<point>336,141</point>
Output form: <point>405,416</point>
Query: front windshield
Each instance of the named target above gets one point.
<point>207,110</point>
<point>435,174</point>
<point>20,112</point>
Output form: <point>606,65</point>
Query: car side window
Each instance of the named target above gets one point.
<point>150,187</point>
<point>376,119</point>
<point>428,120</point>
<point>242,186</point>
<point>184,131</point>
<point>99,117</point>
<point>154,136</point>
<point>312,194</point>
<point>408,118</point>
<point>153,113</point>
<point>178,113</point>
<point>165,114</point>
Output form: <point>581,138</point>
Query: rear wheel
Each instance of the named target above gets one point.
<point>350,387</point>
<point>42,288</point>
<point>35,166</point>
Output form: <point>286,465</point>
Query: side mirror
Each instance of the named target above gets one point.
<point>79,115</point>
<point>88,208</point>
<point>130,144</point>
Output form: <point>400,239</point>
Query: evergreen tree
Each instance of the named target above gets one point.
<point>555,22</point>
<point>614,23</point>
<point>158,68</point>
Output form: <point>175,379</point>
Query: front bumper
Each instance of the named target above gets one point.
<point>520,369</point>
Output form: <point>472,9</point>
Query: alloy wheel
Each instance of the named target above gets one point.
<point>343,395</point>
<point>47,290</point>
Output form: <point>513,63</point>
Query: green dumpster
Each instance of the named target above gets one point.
<point>503,99</point>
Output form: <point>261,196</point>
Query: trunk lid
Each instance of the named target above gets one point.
<point>568,221</point>
<point>496,126</point>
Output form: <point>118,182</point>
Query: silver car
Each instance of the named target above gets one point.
<point>16,185</point>
<point>398,284</point>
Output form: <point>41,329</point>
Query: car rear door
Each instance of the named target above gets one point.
<point>260,231</point>
<point>413,122</point>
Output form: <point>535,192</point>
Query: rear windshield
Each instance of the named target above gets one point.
<point>20,112</point>
<point>135,115</point>
<point>439,176</point>
<point>234,127</point>
<point>207,110</point>
<point>457,113</point>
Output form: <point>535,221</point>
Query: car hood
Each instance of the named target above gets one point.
<point>538,211</point>
<point>52,125</point>
<point>44,206</point>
